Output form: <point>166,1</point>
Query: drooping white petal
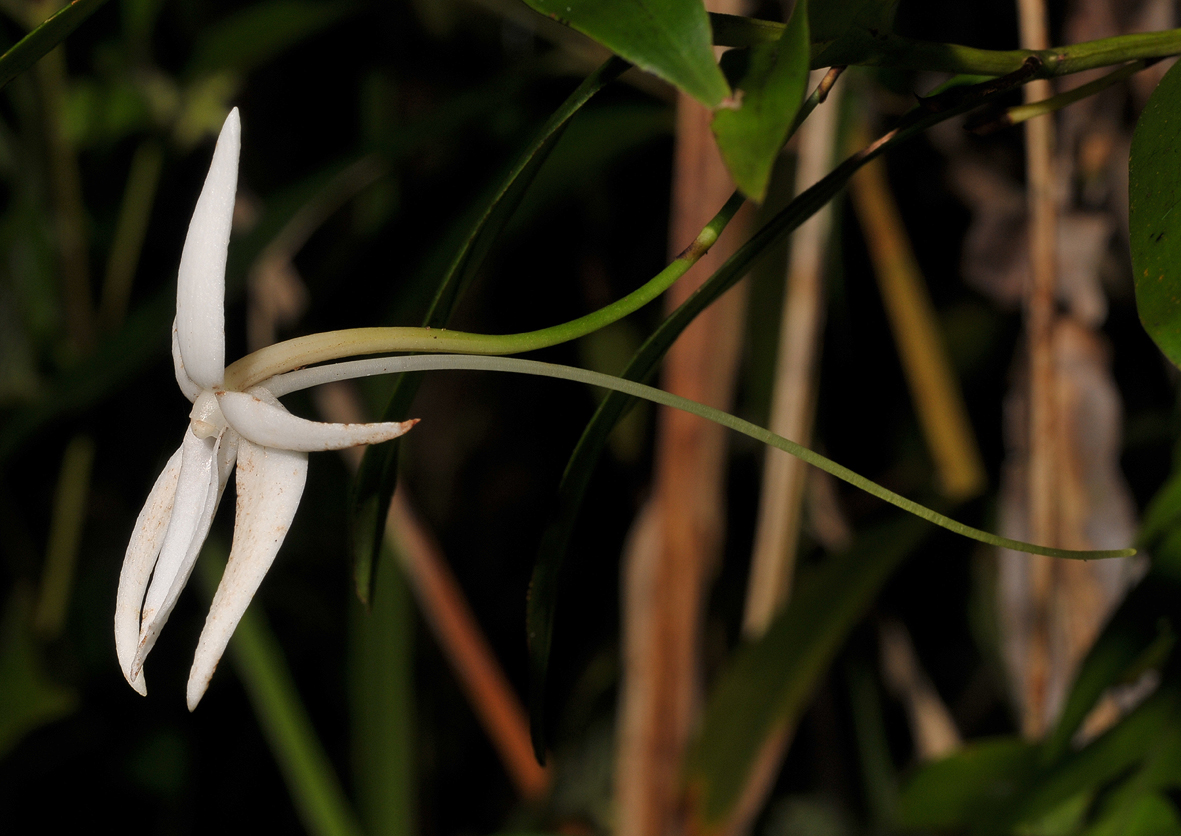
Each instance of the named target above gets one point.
<point>190,389</point>
<point>142,551</point>
<point>201,280</point>
<point>257,416</point>
<point>197,492</point>
<point>270,484</point>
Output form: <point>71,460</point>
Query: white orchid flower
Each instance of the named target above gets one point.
<point>251,428</point>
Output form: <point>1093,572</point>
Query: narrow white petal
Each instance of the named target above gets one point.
<point>201,280</point>
<point>141,556</point>
<point>197,493</point>
<point>257,416</point>
<point>270,484</point>
<point>190,389</point>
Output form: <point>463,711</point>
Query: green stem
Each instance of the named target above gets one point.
<point>333,345</point>
<point>516,365</point>
<point>1022,113</point>
<point>897,52</point>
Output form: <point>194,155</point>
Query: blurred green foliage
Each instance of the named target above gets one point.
<point>103,146</point>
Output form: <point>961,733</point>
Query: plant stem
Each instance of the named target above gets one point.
<point>333,345</point>
<point>902,53</point>
<point>1021,113</point>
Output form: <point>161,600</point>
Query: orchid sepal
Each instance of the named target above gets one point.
<point>269,448</point>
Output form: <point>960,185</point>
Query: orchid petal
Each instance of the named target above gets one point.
<point>190,389</point>
<point>257,416</point>
<point>270,484</point>
<point>142,551</point>
<point>197,494</point>
<point>201,280</point>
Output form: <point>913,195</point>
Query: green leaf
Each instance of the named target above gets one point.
<point>1154,192</point>
<point>668,38</point>
<point>374,486</point>
<point>769,82</point>
<point>30,49</point>
<point>1139,636</point>
<point>771,681</point>
<point>1150,815</point>
<point>246,39</point>
<point>381,680</point>
<point>1141,742</point>
<point>967,786</point>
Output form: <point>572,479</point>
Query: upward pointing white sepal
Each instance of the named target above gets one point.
<point>201,280</point>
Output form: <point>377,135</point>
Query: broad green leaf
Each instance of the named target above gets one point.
<point>28,698</point>
<point>1144,736</point>
<point>770,682</point>
<point>668,38</point>
<point>254,35</point>
<point>1002,786</point>
<point>1154,192</point>
<point>374,485</point>
<point>968,785</point>
<point>769,81</point>
<point>29,49</point>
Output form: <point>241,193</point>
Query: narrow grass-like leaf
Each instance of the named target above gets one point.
<point>381,670</point>
<point>769,684</point>
<point>1154,220</point>
<point>30,49</point>
<point>374,485</point>
<point>769,82</point>
<point>258,660</point>
<point>668,38</point>
<point>555,540</point>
